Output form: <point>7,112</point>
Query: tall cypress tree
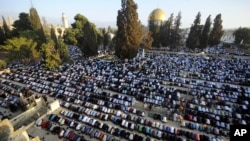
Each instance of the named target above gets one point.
<point>217,31</point>
<point>53,36</point>
<point>155,30</point>
<point>176,34</point>
<point>106,39</point>
<point>6,29</point>
<point>2,36</point>
<point>129,32</point>
<point>205,33</point>
<point>166,31</point>
<point>37,26</point>
<point>89,45</point>
<point>193,40</point>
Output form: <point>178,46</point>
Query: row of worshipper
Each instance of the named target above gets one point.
<point>44,87</point>
<point>117,121</point>
<point>233,71</point>
<point>79,124</point>
<point>140,128</point>
<point>15,97</point>
<point>223,91</point>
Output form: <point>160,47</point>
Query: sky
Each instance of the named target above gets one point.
<point>103,13</point>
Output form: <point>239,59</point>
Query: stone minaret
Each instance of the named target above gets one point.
<point>65,21</point>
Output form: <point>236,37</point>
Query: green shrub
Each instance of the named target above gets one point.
<point>2,64</point>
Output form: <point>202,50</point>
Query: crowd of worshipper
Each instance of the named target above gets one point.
<point>220,49</point>
<point>15,97</point>
<point>209,93</point>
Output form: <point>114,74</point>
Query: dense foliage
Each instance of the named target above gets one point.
<point>83,34</point>
<point>89,44</point>
<point>21,49</point>
<point>200,35</point>
<point>23,24</point>
<point>3,64</point>
<point>242,36</point>
<point>50,55</point>
<point>24,43</point>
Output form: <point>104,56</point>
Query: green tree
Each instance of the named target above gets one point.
<point>99,37</point>
<point>166,31</point>
<point>2,36</point>
<point>50,55</point>
<point>22,24</point>
<point>83,34</point>
<point>176,33</point>
<point>23,28</point>
<point>193,40</point>
<point>63,51</point>
<point>80,21</point>
<point>242,35</point>
<point>3,64</point>
<point>29,34</point>
<point>75,34</point>
<point>129,34</point>
<point>155,31</point>
<point>106,39</point>
<point>205,33</point>
<point>89,44</point>
<point>70,36</point>
<point>53,36</point>
<point>147,39</point>
<point>21,49</point>
<point>217,31</point>
<point>37,26</point>
<point>6,29</point>
<point>78,25</point>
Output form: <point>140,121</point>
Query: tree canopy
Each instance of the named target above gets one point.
<point>22,24</point>
<point>83,34</point>
<point>50,55</point>
<point>21,49</point>
<point>242,35</point>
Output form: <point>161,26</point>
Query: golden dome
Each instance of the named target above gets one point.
<point>157,15</point>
